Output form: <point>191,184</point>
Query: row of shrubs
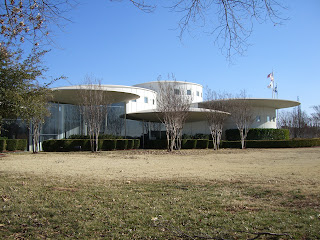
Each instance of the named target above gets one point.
<point>13,144</point>
<point>293,143</point>
<point>67,145</point>
<point>206,143</point>
<point>259,134</point>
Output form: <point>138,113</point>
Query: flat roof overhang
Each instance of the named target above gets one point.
<point>72,94</point>
<point>194,115</point>
<point>262,102</point>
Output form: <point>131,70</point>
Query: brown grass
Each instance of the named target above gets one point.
<point>276,168</point>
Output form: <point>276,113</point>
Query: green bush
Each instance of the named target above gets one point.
<point>294,143</point>
<point>16,144</point>
<point>259,134</point>
<point>136,143</point>
<point>202,143</point>
<point>230,144</point>
<point>22,144</point>
<point>66,145</point>
<point>2,145</point>
<point>11,145</point>
<point>109,144</point>
<point>189,143</point>
<point>156,144</point>
<point>130,144</point>
<point>75,145</point>
<point>122,144</point>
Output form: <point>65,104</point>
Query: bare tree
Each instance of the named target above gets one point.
<point>242,115</point>
<point>316,114</point>
<point>230,21</point>
<point>216,107</point>
<point>173,105</point>
<point>35,110</point>
<point>93,106</point>
<point>298,122</point>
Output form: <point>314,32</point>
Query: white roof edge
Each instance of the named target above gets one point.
<point>103,86</point>
<point>168,81</point>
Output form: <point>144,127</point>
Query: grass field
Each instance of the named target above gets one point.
<point>232,194</point>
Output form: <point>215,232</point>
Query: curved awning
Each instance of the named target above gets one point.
<point>262,102</point>
<point>72,94</point>
<point>194,115</point>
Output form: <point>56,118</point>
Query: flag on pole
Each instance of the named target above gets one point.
<point>270,75</point>
<point>271,84</point>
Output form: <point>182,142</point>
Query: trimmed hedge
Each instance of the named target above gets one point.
<point>108,144</point>
<point>67,145</point>
<point>2,145</point>
<point>16,144</point>
<point>202,143</point>
<point>136,144</point>
<point>156,144</point>
<point>259,134</point>
<point>294,143</point>
<point>11,144</point>
<point>122,144</point>
<point>130,144</point>
<point>189,143</point>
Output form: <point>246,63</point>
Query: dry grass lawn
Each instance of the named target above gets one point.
<point>151,194</point>
<point>279,168</point>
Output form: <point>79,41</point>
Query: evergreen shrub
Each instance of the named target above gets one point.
<point>11,144</point>
<point>108,144</point>
<point>2,145</point>
<point>122,144</point>
<point>130,144</point>
<point>202,143</point>
<point>22,144</point>
<point>136,143</point>
<point>293,143</point>
<point>189,143</point>
<point>259,134</point>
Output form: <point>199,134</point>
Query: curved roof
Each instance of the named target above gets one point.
<point>167,81</point>
<point>194,115</point>
<point>263,102</point>
<point>72,94</point>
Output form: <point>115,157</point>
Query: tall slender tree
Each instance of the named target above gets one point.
<point>93,106</point>
<point>173,105</point>
<point>242,114</point>
<point>216,110</point>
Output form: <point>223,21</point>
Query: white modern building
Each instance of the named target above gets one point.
<point>134,111</point>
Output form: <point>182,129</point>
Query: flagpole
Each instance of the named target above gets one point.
<point>274,82</point>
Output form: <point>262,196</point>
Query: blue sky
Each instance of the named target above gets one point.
<point>121,45</point>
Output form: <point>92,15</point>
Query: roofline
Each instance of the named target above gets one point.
<point>170,81</point>
<point>103,86</point>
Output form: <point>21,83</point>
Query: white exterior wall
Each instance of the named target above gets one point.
<point>140,104</point>
<point>262,112</point>
<point>196,89</point>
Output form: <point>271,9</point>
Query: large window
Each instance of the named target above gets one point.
<point>145,99</point>
<point>188,92</point>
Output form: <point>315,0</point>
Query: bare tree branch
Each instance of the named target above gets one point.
<point>173,105</point>
<point>229,21</point>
